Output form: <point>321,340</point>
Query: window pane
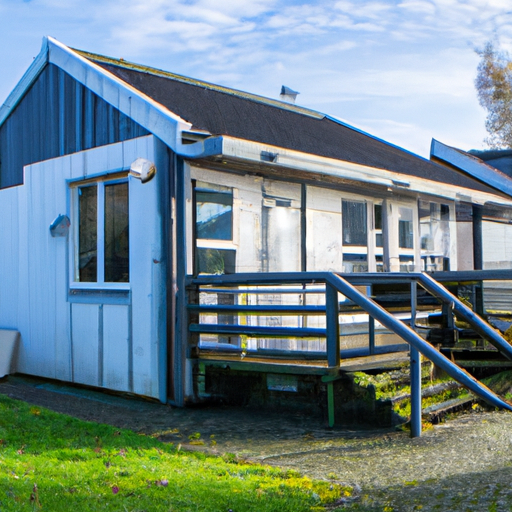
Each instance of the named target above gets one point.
<point>214,212</point>
<point>354,223</point>
<point>355,263</point>
<point>116,233</point>
<point>216,261</point>
<point>88,234</point>
<point>405,229</point>
<point>378,225</point>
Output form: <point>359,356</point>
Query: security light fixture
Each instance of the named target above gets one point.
<point>142,169</point>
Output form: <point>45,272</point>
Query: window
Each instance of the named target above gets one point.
<point>354,219</point>
<point>214,229</point>
<point>216,261</point>
<point>101,240</point>
<point>214,212</point>
<point>405,228</point>
<point>377,215</point>
<point>434,235</point>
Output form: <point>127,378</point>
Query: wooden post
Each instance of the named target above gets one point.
<point>332,325</point>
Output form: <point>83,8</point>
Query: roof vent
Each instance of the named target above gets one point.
<point>288,94</point>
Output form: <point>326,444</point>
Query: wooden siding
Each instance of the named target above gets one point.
<point>106,336</point>
<point>58,116</point>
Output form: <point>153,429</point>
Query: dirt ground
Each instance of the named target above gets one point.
<point>463,464</point>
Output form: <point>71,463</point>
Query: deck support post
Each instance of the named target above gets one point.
<point>332,325</point>
<point>415,369</point>
<point>330,403</point>
<point>332,313</point>
<point>371,334</point>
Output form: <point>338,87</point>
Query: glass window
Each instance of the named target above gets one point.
<point>116,233</point>
<point>405,228</point>
<point>377,209</point>
<point>434,235</point>
<point>216,261</point>
<point>354,223</point>
<point>214,212</point>
<point>88,234</point>
<point>103,246</point>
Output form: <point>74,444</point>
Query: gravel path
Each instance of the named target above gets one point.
<point>464,464</point>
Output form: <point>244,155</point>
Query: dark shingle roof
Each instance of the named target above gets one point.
<point>223,111</point>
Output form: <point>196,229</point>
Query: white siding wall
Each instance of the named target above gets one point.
<point>86,342</point>
<point>497,245</point>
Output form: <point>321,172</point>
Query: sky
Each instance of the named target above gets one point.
<point>402,70</point>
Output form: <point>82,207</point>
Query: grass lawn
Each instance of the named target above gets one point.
<point>52,462</point>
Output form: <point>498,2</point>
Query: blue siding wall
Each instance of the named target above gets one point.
<point>58,116</point>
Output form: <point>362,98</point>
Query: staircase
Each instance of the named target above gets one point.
<point>325,324</point>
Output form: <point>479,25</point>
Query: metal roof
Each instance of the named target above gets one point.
<point>471,165</point>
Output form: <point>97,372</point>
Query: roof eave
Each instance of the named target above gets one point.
<point>254,152</point>
<point>472,166</point>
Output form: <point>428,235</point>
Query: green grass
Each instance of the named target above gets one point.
<point>52,462</point>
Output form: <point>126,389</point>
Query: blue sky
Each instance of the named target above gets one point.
<point>402,70</point>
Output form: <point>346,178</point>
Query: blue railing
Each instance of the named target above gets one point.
<point>331,285</point>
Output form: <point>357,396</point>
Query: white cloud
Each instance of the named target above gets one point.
<point>345,56</point>
<point>418,6</point>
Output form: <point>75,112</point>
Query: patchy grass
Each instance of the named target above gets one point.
<point>53,462</point>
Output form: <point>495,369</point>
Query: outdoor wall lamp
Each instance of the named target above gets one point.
<point>142,169</point>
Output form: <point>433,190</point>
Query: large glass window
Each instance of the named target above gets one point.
<point>214,229</point>
<point>214,212</point>
<point>102,238</point>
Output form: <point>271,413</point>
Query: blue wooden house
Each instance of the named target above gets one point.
<point>120,183</point>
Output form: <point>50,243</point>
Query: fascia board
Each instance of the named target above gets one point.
<point>469,165</point>
<point>251,151</point>
<point>150,114</point>
<point>25,82</point>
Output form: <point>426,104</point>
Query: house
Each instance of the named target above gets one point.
<point>118,181</point>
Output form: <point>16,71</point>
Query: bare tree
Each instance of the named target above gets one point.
<point>494,87</point>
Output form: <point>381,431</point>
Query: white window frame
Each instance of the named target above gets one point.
<point>100,284</point>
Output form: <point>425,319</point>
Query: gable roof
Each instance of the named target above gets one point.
<point>167,104</point>
<point>222,111</point>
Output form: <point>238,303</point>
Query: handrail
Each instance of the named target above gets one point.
<point>411,337</point>
<point>340,283</point>
<point>467,314</point>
